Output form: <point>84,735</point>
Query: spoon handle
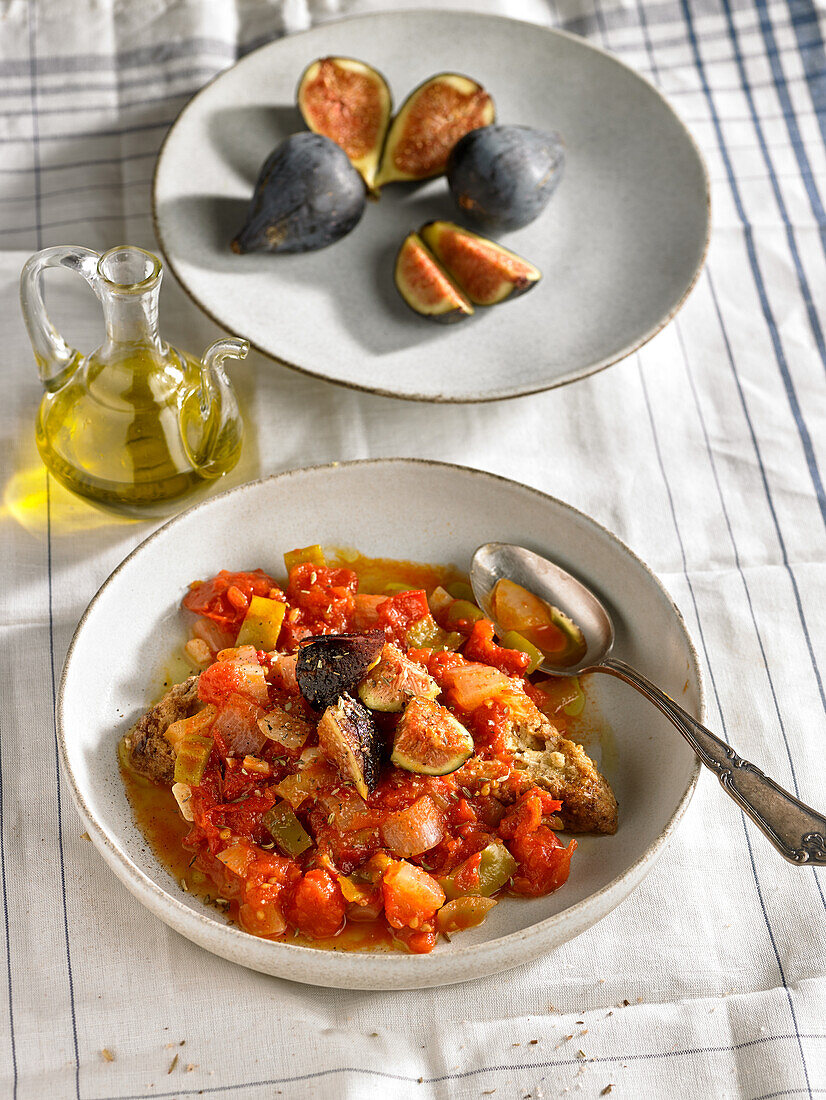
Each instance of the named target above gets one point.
<point>797,831</point>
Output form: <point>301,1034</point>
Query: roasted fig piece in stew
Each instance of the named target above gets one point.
<point>485,271</point>
<point>394,680</point>
<point>431,120</point>
<point>350,103</point>
<point>308,196</point>
<point>333,664</point>
<point>502,177</point>
<point>429,740</point>
<point>349,739</point>
<point>425,286</point>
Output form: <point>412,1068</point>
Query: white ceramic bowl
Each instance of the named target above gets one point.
<point>620,244</point>
<point>423,511</point>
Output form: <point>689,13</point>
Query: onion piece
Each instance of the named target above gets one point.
<point>183,795</point>
<point>414,830</point>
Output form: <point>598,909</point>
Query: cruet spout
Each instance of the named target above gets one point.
<point>56,360</point>
<point>211,422</point>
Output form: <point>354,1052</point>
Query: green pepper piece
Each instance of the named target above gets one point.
<point>577,705</point>
<point>191,760</point>
<point>514,640</point>
<point>427,634</point>
<point>304,554</point>
<point>461,591</point>
<point>392,588</point>
<point>463,611</point>
<point>287,831</point>
<point>496,867</point>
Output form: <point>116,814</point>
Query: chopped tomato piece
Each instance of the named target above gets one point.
<point>411,895</point>
<point>396,614</point>
<point>225,678</point>
<point>225,598</point>
<point>317,906</point>
<point>418,943</point>
<point>480,646</point>
<point>543,862</point>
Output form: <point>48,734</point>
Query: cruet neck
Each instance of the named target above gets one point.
<point>129,283</point>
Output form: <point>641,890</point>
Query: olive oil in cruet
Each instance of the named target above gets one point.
<point>137,424</point>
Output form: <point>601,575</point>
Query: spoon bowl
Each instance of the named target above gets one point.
<point>796,830</point>
<point>502,560</point>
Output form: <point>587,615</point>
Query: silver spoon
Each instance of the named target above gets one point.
<point>797,831</point>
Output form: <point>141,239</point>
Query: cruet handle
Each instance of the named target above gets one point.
<point>56,361</point>
<point>217,406</point>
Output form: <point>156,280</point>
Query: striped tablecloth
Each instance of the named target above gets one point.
<point>706,451</point>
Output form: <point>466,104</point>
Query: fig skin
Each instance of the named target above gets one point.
<point>416,263</point>
<point>334,664</point>
<point>308,196</point>
<point>485,271</point>
<point>502,177</point>
<point>474,108</point>
<point>326,109</point>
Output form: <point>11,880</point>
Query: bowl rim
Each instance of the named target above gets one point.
<point>443,399</point>
<point>178,915</point>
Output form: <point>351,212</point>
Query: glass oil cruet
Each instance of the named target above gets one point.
<point>136,424</point>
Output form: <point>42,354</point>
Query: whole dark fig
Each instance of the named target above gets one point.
<point>502,177</point>
<point>308,196</point>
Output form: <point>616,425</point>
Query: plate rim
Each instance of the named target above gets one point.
<point>203,927</point>
<point>440,399</point>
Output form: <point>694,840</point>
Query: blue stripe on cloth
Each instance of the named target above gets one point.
<point>116,86</point>
<point>61,853</point>
<point>78,164</point>
<point>769,499</point>
<point>10,992</point>
<point>760,285</point>
<point>804,625</point>
<point>806,23</point>
<point>790,118</point>
<point>684,560</point>
<point>120,105</point>
<point>88,135</point>
<point>79,220</point>
<point>673,511</point>
<point>765,482</point>
<point>764,479</point>
<point>755,445</point>
<point>800,154</point>
<point>464,1074</point>
<point>107,186</point>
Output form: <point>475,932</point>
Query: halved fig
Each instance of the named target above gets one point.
<point>350,741</point>
<point>394,680</point>
<point>332,665</point>
<point>425,286</point>
<point>485,271</point>
<point>431,120</point>
<point>429,740</point>
<point>350,103</point>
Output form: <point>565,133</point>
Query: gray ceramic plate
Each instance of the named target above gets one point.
<point>652,770</point>
<point>620,244</point>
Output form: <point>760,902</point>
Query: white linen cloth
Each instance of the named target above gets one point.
<point>706,451</point>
